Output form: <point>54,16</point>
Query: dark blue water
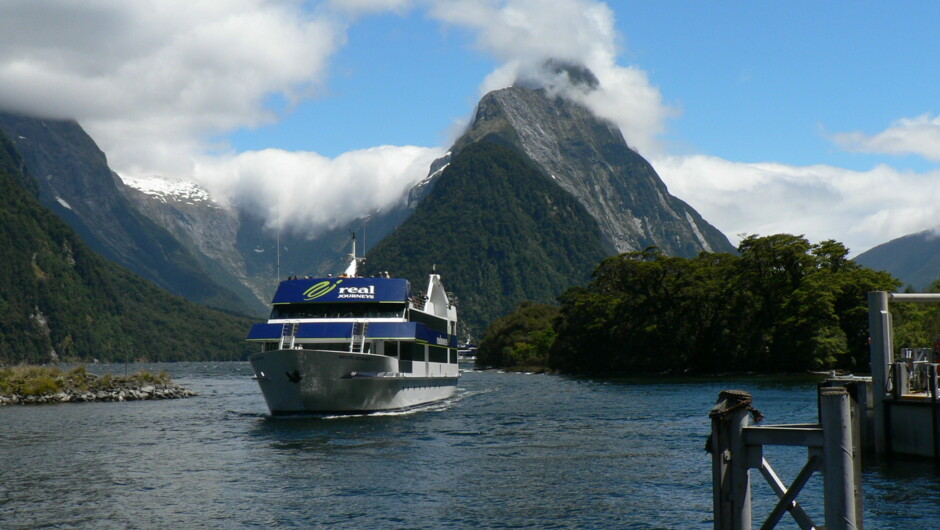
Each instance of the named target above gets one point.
<point>510,450</point>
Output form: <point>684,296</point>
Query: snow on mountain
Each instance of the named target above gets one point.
<point>164,190</point>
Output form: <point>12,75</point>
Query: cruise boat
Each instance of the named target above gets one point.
<point>353,344</point>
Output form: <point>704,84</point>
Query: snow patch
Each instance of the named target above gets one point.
<point>431,177</point>
<point>178,190</point>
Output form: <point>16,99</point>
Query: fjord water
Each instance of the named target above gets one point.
<point>510,450</point>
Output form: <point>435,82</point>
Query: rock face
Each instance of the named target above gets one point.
<point>63,300</point>
<point>499,231</point>
<point>74,181</point>
<point>235,247</point>
<point>179,239</point>
<point>207,230</point>
<point>589,158</point>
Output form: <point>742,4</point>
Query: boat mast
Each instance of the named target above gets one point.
<point>277,231</point>
<point>352,268</point>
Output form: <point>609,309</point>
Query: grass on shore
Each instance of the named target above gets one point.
<point>31,380</point>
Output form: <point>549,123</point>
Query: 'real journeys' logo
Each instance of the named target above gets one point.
<point>321,289</point>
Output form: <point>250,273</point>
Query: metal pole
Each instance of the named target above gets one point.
<point>839,486</point>
<point>879,325</point>
<point>934,409</point>
<point>921,298</point>
<point>731,486</point>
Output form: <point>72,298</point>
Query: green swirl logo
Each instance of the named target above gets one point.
<point>317,290</point>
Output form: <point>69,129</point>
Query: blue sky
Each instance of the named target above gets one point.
<point>400,79</point>
<point>750,82</point>
<point>801,117</point>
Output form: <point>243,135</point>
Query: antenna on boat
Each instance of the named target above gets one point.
<point>352,268</point>
<point>277,231</point>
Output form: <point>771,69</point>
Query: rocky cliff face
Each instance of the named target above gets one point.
<point>499,231</point>
<point>74,180</point>
<point>207,230</point>
<point>589,158</point>
<point>62,301</point>
<point>178,238</point>
<point>237,249</point>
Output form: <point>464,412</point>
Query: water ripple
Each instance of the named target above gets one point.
<point>507,451</point>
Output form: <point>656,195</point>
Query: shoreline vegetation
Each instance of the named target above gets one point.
<point>34,385</point>
<point>780,305</point>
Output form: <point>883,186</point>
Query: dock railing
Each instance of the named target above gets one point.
<point>832,446</point>
<point>906,397</point>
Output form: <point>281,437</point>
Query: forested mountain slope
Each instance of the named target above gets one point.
<point>75,182</point>
<point>498,230</point>
<point>59,300</point>
<point>914,258</point>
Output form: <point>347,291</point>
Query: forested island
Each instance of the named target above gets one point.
<point>780,305</point>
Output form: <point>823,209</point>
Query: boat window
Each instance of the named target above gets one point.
<point>412,352</point>
<point>437,354</point>
<point>338,310</point>
<point>431,321</point>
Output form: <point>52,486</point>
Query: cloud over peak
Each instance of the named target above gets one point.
<point>527,38</point>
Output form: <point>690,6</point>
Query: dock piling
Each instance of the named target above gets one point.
<point>731,481</point>
<point>832,446</point>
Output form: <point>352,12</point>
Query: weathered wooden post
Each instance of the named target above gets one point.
<point>840,484</point>
<point>731,480</point>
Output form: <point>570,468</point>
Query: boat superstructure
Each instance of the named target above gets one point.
<point>353,344</point>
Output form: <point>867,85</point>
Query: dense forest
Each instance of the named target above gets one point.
<point>59,300</point>
<point>780,305</point>
<point>521,237</point>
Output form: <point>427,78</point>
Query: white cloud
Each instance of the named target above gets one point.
<point>859,208</point>
<point>314,192</point>
<point>917,136</point>
<point>524,34</point>
<point>153,80</point>
<point>361,7</point>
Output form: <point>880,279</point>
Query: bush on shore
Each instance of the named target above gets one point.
<point>32,380</point>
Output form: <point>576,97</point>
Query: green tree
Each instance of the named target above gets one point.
<point>781,305</point>
<point>520,340</point>
<point>59,299</point>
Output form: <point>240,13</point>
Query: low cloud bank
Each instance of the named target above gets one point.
<point>859,208</point>
<point>309,192</point>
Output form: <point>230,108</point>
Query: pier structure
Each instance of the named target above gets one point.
<point>905,399</point>
<point>833,447</point>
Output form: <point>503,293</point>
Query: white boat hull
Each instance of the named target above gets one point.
<point>300,381</point>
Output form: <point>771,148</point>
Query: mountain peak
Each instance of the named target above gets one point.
<point>588,157</point>
<point>556,73</point>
